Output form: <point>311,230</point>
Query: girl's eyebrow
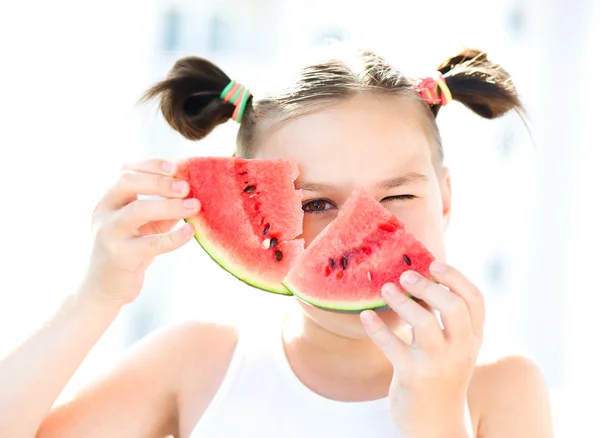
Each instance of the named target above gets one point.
<point>404,180</point>
<point>408,179</point>
<point>315,187</point>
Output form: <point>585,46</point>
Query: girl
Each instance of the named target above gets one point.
<point>350,124</point>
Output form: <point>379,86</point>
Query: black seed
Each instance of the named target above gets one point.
<point>332,263</point>
<point>278,255</point>
<point>273,243</point>
<point>266,230</point>
<point>250,189</point>
<point>344,263</point>
<point>407,260</point>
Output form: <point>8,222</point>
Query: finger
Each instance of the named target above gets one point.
<point>158,244</point>
<point>155,165</point>
<point>426,329</point>
<point>158,227</point>
<point>131,184</point>
<point>381,335</point>
<point>131,217</point>
<point>461,286</point>
<point>453,309</point>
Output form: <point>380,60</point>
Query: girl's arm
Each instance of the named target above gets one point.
<point>33,376</point>
<point>129,233</point>
<point>139,397</point>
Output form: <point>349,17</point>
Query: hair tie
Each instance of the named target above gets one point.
<point>237,95</point>
<point>430,87</point>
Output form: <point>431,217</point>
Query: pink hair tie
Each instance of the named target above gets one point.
<point>429,89</point>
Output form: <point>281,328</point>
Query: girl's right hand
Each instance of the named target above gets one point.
<point>129,232</point>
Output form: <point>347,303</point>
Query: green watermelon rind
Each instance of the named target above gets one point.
<point>338,305</point>
<point>221,259</point>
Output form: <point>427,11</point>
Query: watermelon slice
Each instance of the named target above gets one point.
<point>346,265</point>
<point>250,218</point>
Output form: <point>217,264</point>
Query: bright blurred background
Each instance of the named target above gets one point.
<point>525,216</point>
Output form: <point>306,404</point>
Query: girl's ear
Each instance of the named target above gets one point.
<point>446,192</point>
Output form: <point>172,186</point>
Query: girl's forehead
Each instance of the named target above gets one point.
<point>367,138</point>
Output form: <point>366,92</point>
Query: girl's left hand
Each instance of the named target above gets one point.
<point>431,375</point>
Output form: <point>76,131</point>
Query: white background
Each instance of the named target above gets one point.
<point>525,224</point>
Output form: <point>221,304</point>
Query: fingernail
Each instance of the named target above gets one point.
<point>367,316</point>
<point>388,290</point>
<point>409,277</point>
<point>191,203</point>
<point>437,267</point>
<point>168,166</point>
<point>180,186</point>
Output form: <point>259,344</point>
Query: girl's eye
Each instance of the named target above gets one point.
<point>316,206</point>
<point>398,198</point>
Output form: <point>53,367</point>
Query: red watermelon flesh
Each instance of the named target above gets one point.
<point>363,248</point>
<point>250,217</point>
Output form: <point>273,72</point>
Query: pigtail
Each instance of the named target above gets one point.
<point>190,97</point>
<point>480,84</point>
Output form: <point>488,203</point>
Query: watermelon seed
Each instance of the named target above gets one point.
<point>266,243</point>
<point>266,230</point>
<point>332,263</point>
<point>369,275</point>
<point>250,189</point>
<point>243,173</point>
<point>407,260</point>
<point>273,243</point>
<point>278,255</point>
<point>344,263</point>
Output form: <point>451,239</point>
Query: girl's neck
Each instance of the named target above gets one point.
<point>308,342</point>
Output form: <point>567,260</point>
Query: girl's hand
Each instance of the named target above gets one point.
<point>130,232</point>
<point>431,375</point>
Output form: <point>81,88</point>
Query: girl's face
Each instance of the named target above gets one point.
<point>379,144</point>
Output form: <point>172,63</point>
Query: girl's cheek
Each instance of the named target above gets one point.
<point>313,225</point>
<point>424,222</point>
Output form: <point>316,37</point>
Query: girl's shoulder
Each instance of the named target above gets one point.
<point>199,354</point>
<point>510,394</point>
<point>191,343</point>
<point>203,348</point>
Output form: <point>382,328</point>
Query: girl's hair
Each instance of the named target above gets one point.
<point>190,95</point>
